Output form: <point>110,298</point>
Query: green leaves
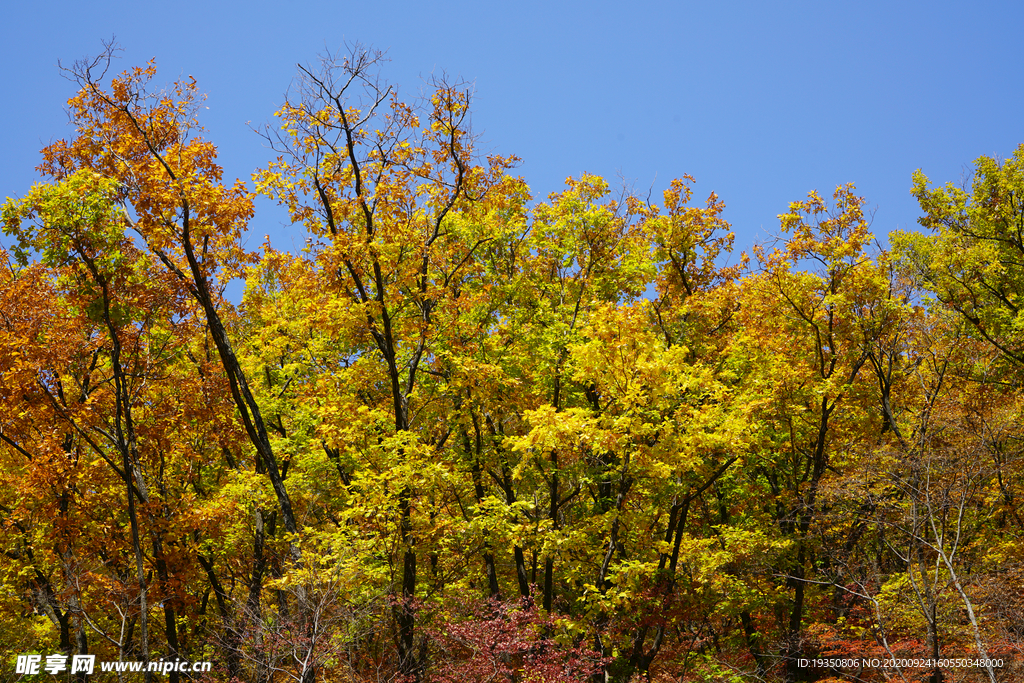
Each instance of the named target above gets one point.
<point>75,218</point>
<point>974,263</point>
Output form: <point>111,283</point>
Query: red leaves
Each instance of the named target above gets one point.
<point>502,641</point>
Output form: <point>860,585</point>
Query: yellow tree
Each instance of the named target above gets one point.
<point>395,202</point>
<point>803,329</point>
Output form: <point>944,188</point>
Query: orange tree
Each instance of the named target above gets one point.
<point>97,394</point>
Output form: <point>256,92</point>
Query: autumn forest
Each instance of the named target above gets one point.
<point>468,434</point>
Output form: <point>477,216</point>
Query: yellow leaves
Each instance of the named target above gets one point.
<point>830,236</point>
<point>970,262</point>
<point>650,391</point>
<point>565,431</point>
<point>622,354</point>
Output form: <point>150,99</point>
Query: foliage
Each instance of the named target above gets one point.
<point>465,435</point>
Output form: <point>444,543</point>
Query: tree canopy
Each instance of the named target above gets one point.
<point>466,435</point>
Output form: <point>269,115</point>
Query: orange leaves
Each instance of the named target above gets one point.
<point>692,239</point>
<point>166,176</point>
<point>822,280</point>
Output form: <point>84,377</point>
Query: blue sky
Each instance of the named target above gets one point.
<point>760,101</point>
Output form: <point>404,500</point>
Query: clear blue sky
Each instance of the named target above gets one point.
<point>760,101</point>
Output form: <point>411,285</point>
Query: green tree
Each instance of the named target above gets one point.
<point>973,262</point>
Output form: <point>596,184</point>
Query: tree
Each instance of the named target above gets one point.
<point>807,302</point>
<point>462,435</point>
<point>973,261</point>
<point>398,205</point>
<point>167,179</point>
<point>161,182</point>
<point>80,230</point>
